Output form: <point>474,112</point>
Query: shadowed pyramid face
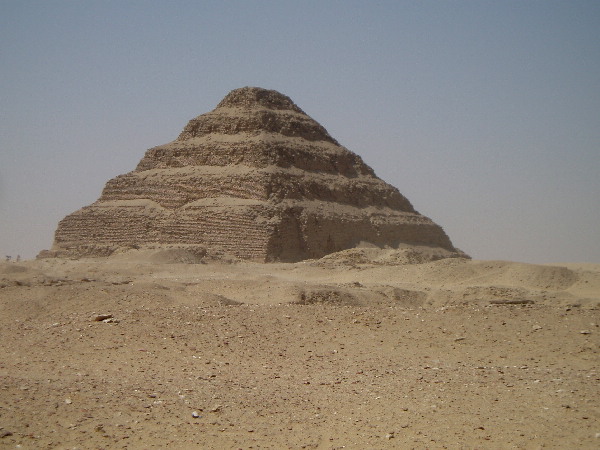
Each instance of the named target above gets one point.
<point>256,178</point>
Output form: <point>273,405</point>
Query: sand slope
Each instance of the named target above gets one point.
<point>362,349</point>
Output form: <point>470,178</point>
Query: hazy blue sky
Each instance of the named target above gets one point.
<point>485,114</point>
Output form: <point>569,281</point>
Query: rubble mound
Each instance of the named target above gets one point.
<point>256,178</point>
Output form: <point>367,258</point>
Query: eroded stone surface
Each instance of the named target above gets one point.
<point>255,178</point>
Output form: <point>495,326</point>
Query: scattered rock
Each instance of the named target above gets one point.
<point>102,317</point>
<point>196,415</point>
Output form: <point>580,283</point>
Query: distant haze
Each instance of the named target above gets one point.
<point>485,115</point>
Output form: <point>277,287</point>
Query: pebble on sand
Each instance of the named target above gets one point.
<point>102,317</point>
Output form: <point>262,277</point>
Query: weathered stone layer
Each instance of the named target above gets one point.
<point>257,179</point>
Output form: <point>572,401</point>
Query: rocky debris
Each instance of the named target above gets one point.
<point>255,178</point>
<point>374,256</point>
<point>326,296</point>
<point>511,302</point>
<point>110,320</point>
<point>102,317</point>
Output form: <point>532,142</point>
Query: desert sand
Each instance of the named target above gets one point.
<point>361,349</point>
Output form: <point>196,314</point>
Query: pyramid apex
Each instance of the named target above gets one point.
<point>253,97</point>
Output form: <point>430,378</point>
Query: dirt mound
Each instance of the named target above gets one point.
<point>540,277</point>
<point>327,296</point>
<point>387,257</point>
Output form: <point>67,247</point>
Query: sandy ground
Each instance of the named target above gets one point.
<point>360,350</point>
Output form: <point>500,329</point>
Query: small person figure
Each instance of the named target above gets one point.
<point>18,258</point>
<point>8,258</point>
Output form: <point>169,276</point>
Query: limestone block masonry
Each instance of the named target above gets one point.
<point>256,178</point>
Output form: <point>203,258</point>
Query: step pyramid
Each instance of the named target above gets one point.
<point>255,178</point>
